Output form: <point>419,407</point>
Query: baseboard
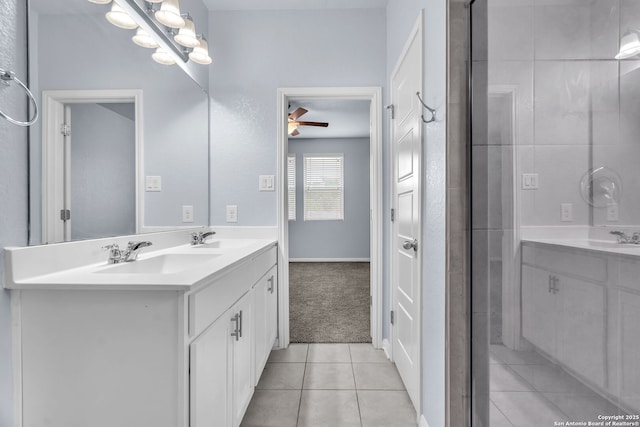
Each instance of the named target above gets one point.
<point>386,346</point>
<point>423,422</point>
<point>328,259</point>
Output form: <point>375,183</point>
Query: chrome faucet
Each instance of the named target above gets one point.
<point>200,237</point>
<point>117,256</point>
<point>634,239</point>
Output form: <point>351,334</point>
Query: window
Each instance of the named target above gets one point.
<point>291,186</point>
<point>323,187</point>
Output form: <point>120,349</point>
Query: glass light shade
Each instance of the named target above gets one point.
<point>291,126</point>
<point>200,54</point>
<point>118,17</point>
<point>144,39</point>
<point>187,35</point>
<point>162,56</point>
<point>100,1</point>
<point>629,46</point>
<point>169,14</point>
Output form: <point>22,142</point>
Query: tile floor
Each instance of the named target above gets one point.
<point>528,390</point>
<point>330,385</point>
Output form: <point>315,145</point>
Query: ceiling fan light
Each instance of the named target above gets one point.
<point>629,45</point>
<point>162,56</point>
<point>169,14</point>
<point>144,39</point>
<point>187,34</point>
<point>121,19</point>
<point>100,1</point>
<point>291,126</point>
<point>200,54</point>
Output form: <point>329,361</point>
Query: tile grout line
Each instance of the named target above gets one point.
<point>304,372</point>
<point>355,385</point>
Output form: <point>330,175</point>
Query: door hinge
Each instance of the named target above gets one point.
<point>393,320</point>
<point>65,214</point>
<point>392,109</point>
<point>65,130</point>
<point>393,215</point>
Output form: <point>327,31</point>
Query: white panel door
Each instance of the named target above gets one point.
<point>406,81</point>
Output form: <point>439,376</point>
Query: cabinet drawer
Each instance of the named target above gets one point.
<point>206,305</point>
<point>591,267</point>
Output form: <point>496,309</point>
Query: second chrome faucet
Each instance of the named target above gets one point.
<point>200,237</point>
<point>117,256</point>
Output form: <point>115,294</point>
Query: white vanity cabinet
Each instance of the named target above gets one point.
<point>160,356</point>
<point>564,311</point>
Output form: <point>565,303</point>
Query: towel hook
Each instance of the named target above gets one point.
<point>8,76</point>
<point>431,110</point>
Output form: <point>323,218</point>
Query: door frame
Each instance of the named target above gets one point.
<point>374,95</point>
<point>53,103</point>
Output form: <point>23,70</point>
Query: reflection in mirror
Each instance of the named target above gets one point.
<point>72,47</point>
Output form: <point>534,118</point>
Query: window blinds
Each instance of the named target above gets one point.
<point>291,186</point>
<point>323,187</point>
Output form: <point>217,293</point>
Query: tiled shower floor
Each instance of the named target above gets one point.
<point>332,385</point>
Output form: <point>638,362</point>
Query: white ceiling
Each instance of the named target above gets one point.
<point>293,4</point>
<point>346,118</point>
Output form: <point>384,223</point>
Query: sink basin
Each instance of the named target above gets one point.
<point>161,264</point>
<point>225,244</point>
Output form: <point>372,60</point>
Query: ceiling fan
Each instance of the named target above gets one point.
<point>293,122</point>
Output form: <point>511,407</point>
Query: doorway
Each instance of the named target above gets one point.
<point>97,175</point>
<point>287,97</point>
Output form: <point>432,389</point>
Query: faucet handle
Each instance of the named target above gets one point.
<point>114,252</point>
<point>195,238</point>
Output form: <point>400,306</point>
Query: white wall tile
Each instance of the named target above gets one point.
<point>510,31</point>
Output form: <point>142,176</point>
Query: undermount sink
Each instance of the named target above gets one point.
<point>225,244</point>
<point>161,264</point>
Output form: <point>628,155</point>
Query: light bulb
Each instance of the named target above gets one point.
<point>162,56</point>
<point>118,17</point>
<point>169,14</point>
<point>200,54</point>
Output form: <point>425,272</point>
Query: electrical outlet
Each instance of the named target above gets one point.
<point>529,181</point>
<point>266,183</point>
<point>566,212</point>
<point>232,213</point>
<point>153,183</point>
<point>187,213</point>
<point>612,212</point>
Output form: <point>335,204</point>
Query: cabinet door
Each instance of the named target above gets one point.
<point>539,309</point>
<point>210,381</point>
<point>628,348</point>
<point>581,328</point>
<point>266,316</point>
<point>243,358</point>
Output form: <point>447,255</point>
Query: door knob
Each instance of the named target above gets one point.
<point>408,245</point>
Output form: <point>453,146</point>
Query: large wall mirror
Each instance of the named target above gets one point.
<point>123,144</point>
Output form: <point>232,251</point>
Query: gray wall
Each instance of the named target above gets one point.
<point>13,178</point>
<point>334,239</point>
<point>103,172</point>
<point>256,52</point>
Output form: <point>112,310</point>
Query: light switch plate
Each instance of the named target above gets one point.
<point>153,183</point>
<point>267,183</point>
<point>232,213</point>
<point>529,181</point>
<point>566,212</point>
<point>187,213</point>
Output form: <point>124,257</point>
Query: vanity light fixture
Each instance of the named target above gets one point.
<point>169,14</point>
<point>629,45</point>
<point>144,39</point>
<point>162,56</point>
<point>187,34</point>
<point>118,17</point>
<point>200,54</point>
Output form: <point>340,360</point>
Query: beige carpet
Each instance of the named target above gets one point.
<point>329,302</point>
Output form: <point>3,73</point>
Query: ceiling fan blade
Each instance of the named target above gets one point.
<point>321,124</point>
<point>294,133</point>
<point>299,112</point>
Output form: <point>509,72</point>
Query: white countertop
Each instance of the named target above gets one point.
<point>608,246</point>
<point>49,268</point>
